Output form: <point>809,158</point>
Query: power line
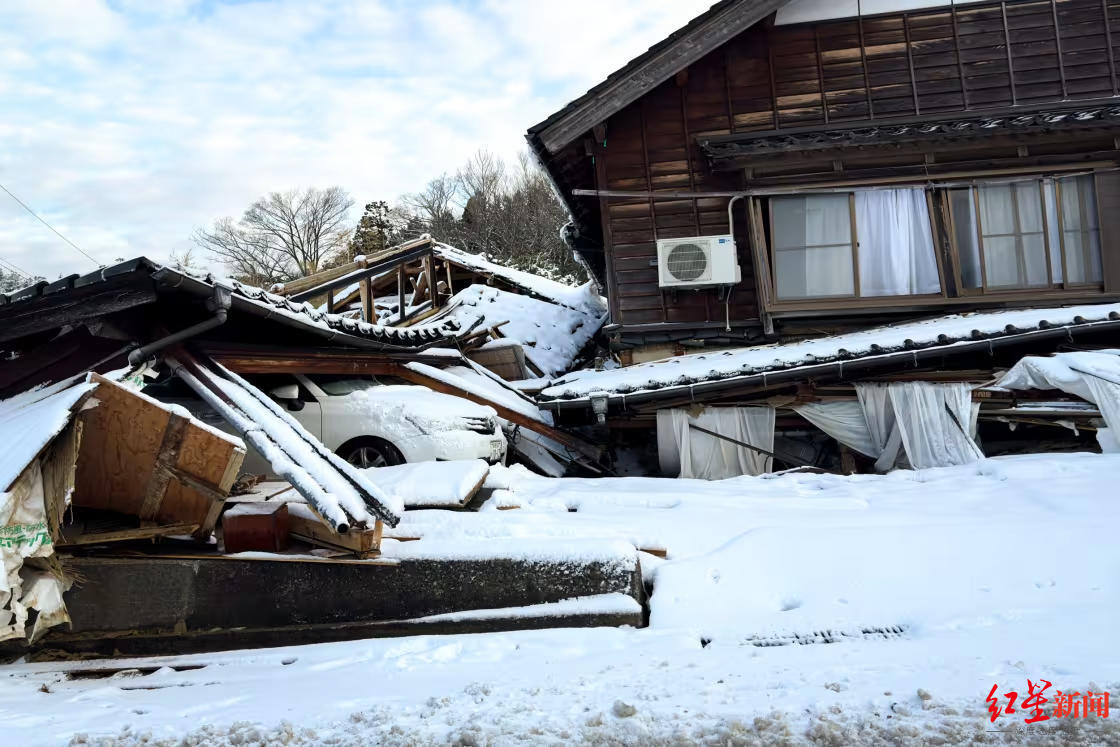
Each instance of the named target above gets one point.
<point>13,267</point>
<point>48,225</point>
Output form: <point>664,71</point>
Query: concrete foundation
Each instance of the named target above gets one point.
<point>153,605</point>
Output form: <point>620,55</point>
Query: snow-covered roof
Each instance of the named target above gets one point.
<point>741,364</point>
<point>551,334</point>
<point>246,297</point>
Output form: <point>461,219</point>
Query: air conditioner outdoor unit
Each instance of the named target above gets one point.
<point>697,261</point>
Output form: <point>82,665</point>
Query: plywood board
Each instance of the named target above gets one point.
<point>122,440</point>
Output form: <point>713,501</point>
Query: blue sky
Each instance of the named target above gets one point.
<point>129,123</point>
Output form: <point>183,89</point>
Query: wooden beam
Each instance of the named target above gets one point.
<point>438,385</point>
<point>166,459</point>
<point>364,543</point>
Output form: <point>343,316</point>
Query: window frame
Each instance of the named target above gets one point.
<point>985,288</point>
<point>853,249</point>
<point>1085,258</point>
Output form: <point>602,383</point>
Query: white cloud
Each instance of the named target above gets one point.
<point>129,124</point>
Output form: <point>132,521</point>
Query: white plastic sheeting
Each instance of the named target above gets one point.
<point>688,453</point>
<point>1092,376</point>
<point>845,422</point>
<point>933,425</point>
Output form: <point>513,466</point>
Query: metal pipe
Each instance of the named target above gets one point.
<point>220,300</point>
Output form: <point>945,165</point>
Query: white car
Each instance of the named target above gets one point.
<point>368,421</point>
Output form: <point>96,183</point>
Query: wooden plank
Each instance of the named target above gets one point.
<point>123,440</point>
<point>124,535</point>
<point>365,543</point>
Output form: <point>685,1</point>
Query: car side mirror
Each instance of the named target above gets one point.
<point>289,395</point>
<point>286,392</point>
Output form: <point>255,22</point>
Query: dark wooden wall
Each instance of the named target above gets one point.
<point>932,62</point>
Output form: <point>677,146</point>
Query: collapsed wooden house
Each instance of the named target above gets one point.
<point>97,470</point>
<point>779,171</point>
<point>517,324</point>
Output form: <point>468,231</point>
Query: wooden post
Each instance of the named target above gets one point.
<point>400,293</point>
<point>365,288</point>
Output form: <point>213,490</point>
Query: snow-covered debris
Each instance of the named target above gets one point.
<point>551,334</point>
<point>340,494</point>
<point>483,384</point>
<point>576,297</point>
<point>432,484</point>
<point>1092,376</point>
<point>944,332</point>
<point>29,421</point>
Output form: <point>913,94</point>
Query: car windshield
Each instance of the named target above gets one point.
<point>338,386</point>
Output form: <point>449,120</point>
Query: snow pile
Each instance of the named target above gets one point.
<point>551,334</point>
<point>691,369</point>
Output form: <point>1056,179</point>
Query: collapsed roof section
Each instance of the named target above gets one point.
<point>138,282</point>
<point>697,377</point>
<point>496,308</point>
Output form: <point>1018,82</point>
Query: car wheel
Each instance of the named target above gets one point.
<point>364,453</point>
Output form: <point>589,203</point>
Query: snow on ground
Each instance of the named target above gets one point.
<point>993,573</point>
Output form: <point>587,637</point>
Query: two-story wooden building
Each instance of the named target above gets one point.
<point>874,160</point>
<point>804,172</point>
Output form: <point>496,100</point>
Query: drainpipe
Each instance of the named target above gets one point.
<point>219,304</point>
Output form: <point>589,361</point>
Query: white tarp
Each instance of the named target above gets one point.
<point>686,452</point>
<point>932,424</point>
<point>1092,376</point>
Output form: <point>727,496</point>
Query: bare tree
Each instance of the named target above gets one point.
<point>282,236</point>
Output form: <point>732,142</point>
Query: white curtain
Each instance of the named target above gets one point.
<point>935,421</point>
<point>686,452</point>
<point>845,422</point>
<point>896,255</point>
<point>904,424</point>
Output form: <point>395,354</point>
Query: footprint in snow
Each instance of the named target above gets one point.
<point>790,603</point>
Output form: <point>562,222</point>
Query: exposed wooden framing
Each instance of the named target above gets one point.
<point>402,308</point>
<point>369,313</point>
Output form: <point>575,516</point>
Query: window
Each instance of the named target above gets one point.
<point>1080,236</point>
<point>1029,234</point>
<point>889,229</point>
<point>813,239</point>
<point>340,385</point>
